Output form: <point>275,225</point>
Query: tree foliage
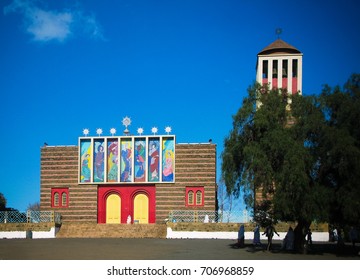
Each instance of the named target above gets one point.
<point>264,153</point>
<point>339,151</point>
<point>304,156</point>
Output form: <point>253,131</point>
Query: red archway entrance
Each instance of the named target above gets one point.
<point>137,201</point>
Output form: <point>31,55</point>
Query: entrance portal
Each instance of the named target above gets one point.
<point>141,209</point>
<point>113,206</point>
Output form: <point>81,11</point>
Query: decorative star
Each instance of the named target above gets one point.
<point>140,130</point>
<point>154,130</point>
<point>112,131</point>
<point>99,131</point>
<point>168,129</point>
<point>86,131</point>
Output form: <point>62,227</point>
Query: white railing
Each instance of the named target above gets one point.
<point>204,216</point>
<point>29,217</point>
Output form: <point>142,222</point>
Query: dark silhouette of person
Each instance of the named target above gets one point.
<point>269,232</point>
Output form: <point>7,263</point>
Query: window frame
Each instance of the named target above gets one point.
<point>194,191</point>
<point>60,192</point>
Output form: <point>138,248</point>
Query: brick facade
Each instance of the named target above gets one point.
<point>195,167</point>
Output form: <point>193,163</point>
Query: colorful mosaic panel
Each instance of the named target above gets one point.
<point>147,159</point>
<point>112,160</point>
<point>85,161</point>
<point>126,160</point>
<point>154,160</point>
<point>99,163</point>
<point>168,159</point>
<point>140,160</point>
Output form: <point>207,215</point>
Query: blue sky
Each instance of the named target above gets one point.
<point>69,65</point>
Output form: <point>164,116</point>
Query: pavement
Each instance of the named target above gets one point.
<point>161,249</point>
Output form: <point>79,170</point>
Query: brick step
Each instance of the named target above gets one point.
<point>92,230</point>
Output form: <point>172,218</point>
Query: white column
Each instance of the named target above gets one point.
<point>259,70</point>
<point>300,74</point>
<point>289,71</point>
<point>270,65</point>
<point>279,70</point>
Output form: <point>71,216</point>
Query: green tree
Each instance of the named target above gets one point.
<point>270,150</point>
<point>2,202</point>
<point>339,151</point>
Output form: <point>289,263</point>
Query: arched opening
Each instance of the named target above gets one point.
<point>56,199</point>
<point>113,209</point>
<point>141,209</point>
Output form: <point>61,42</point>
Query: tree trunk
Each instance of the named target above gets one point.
<point>300,234</point>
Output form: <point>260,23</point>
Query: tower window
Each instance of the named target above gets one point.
<point>265,69</point>
<point>275,69</point>
<point>284,68</point>
<point>295,68</point>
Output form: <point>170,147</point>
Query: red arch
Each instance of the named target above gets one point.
<point>127,195</point>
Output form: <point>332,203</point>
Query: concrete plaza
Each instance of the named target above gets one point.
<point>160,249</point>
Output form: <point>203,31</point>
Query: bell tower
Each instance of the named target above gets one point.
<point>280,66</point>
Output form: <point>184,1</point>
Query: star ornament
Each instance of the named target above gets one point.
<point>168,129</point>
<point>154,130</point>
<point>112,131</point>
<point>140,130</point>
<point>86,131</point>
<point>99,131</point>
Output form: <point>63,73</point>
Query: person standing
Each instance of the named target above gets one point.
<point>241,236</point>
<point>309,237</point>
<point>269,232</point>
<point>256,241</point>
<point>288,242</point>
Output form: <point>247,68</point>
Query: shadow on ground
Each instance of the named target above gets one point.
<point>317,249</point>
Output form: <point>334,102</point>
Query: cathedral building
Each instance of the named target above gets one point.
<point>127,179</point>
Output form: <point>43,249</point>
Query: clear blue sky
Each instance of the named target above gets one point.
<point>75,64</point>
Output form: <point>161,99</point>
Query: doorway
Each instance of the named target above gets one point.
<point>141,209</point>
<point>113,207</point>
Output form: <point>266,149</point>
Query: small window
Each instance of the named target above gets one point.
<point>56,199</point>
<point>198,198</point>
<point>191,198</point>
<point>59,197</point>
<point>63,199</point>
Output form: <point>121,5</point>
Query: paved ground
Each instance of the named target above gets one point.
<point>158,249</point>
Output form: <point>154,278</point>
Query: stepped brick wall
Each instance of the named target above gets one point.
<point>195,167</point>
